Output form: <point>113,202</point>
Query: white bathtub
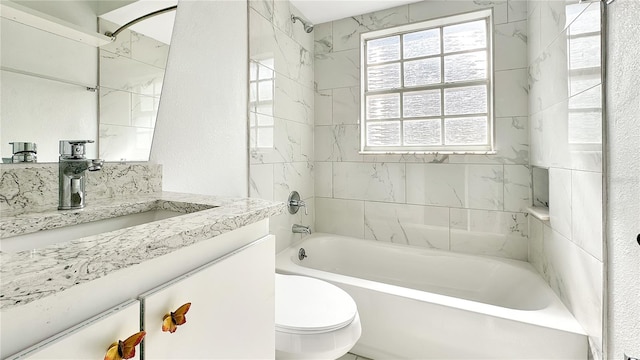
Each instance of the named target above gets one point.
<point>417,303</point>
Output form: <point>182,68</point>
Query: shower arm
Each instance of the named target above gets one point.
<point>114,34</point>
<point>308,27</point>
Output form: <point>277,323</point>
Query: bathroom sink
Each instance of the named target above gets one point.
<point>43,238</point>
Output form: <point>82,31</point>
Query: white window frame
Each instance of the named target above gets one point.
<point>254,121</point>
<point>595,141</point>
<point>420,26</point>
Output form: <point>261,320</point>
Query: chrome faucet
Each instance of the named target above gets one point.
<point>24,152</point>
<point>300,229</point>
<point>72,167</point>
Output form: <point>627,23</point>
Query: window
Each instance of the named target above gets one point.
<point>584,64</point>
<point>261,91</point>
<point>427,87</point>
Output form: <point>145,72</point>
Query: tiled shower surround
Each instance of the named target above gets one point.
<point>464,203</point>
<point>281,112</point>
<point>565,107</point>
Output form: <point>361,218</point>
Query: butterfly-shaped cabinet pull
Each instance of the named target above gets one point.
<point>172,320</point>
<point>124,349</point>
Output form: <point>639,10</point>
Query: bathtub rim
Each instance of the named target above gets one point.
<point>554,316</point>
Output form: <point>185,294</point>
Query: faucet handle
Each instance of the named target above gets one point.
<point>304,205</point>
<point>294,203</point>
<point>95,164</point>
<point>73,148</point>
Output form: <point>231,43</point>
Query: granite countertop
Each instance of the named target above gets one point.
<point>34,274</point>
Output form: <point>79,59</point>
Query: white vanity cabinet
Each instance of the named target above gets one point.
<point>229,279</point>
<point>231,314</point>
<point>91,338</point>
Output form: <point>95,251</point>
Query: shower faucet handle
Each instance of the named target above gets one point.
<point>294,203</point>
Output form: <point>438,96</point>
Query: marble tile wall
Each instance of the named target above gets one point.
<point>34,187</point>
<point>565,112</point>
<point>464,203</point>
<point>281,114</point>
<point>131,77</point>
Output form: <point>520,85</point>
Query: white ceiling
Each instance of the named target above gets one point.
<point>316,11</point>
<point>321,11</point>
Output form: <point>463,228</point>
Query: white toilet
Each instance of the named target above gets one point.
<point>314,319</point>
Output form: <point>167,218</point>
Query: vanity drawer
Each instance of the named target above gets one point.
<point>232,302</point>
<point>91,338</point>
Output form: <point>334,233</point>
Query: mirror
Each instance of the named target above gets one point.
<point>131,75</point>
<point>56,88</point>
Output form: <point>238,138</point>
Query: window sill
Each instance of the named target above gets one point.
<point>488,152</point>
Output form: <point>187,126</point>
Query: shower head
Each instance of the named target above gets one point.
<point>307,27</point>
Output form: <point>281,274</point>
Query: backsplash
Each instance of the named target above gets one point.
<point>32,187</point>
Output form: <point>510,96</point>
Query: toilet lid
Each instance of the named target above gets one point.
<point>308,305</point>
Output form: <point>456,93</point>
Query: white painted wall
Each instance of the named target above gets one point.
<point>201,131</point>
<point>623,180</point>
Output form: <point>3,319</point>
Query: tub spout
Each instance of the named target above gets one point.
<point>300,229</point>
